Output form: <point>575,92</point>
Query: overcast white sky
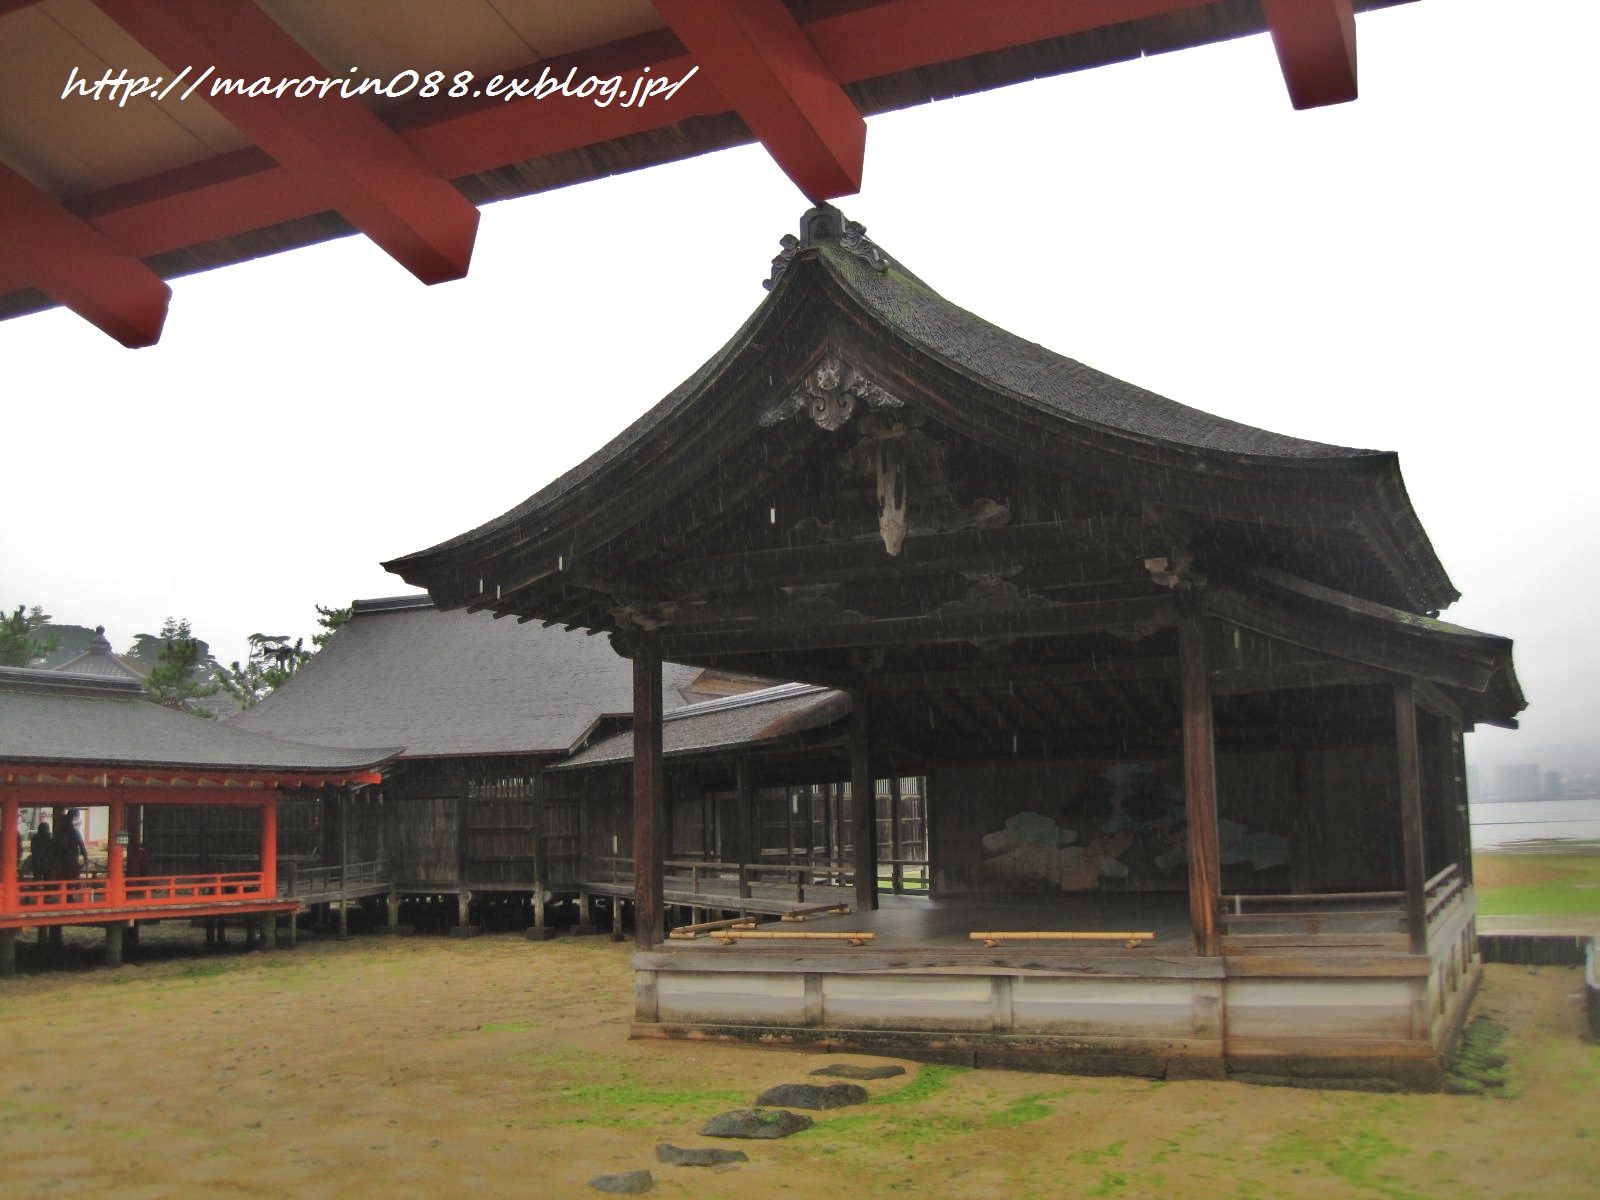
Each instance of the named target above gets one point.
<point>1414,271</point>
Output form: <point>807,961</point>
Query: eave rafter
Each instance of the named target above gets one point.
<point>768,72</point>
<point>388,176</point>
<point>338,151</point>
<point>78,266</point>
<point>1316,45</point>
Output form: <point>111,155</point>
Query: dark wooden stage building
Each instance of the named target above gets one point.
<point>1190,725</point>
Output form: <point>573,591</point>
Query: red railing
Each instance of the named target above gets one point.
<point>78,894</point>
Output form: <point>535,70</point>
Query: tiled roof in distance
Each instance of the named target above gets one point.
<point>400,672</point>
<point>772,713</point>
<point>94,721</point>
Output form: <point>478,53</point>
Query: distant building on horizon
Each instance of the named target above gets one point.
<point>1516,781</point>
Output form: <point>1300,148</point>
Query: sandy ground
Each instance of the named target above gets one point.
<point>431,1067</point>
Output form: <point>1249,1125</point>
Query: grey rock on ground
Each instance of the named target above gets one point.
<point>856,1071</point>
<point>756,1123</point>
<point>628,1183</point>
<point>814,1095</point>
<point>679,1156</point>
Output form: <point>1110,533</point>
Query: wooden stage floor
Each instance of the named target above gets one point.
<point>903,921</point>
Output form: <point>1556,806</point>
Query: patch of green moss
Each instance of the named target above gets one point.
<point>1353,1154</point>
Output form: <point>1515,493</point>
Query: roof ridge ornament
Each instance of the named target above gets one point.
<point>821,224</point>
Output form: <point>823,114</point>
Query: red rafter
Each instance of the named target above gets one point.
<point>79,266</point>
<point>248,190</point>
<point>1316,44</point>
<point>340,151</point>
<point>768,71</point>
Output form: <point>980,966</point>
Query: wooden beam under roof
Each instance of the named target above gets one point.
<point>338,150</point>
<point>78,266</point>
<point>768,72</point>
<point>932,629</point>
<point>1316,44</point>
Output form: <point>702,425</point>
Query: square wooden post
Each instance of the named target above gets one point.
<point>116,863</point>
<point>10,885</point>
<point>269,847</point>
<point>863,804</point>
<point>1460,799</point>
<point>1407,761</point>
<point>1200,784</point>
<point>649,808</point>
<point>750,817</point>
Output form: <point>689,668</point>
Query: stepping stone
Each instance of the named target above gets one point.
<point>629,1183</point>
<point>756,1123</point>
<point>814,1095</point>
<point>678,1156</point>
<point>856,1071</point>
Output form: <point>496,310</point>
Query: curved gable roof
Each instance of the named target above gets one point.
<point>1029,401</point>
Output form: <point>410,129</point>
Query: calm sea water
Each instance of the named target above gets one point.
<point>1533,824</point>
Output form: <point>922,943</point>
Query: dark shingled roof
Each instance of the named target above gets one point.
<point>895,300</point>
<point>48,717</point>
<point>762,716</point>
<point>452,683</point>
<point>99,660</point>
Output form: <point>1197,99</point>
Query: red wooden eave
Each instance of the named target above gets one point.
<point>341,152</point>
<point>79,266</point>
<point>388,175</point>
<point>1316,45</point>
<point>767,71</point>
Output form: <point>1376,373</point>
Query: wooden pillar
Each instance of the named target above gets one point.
<point>1410,778</point>
<point>541,864</point>
<point>1200,784</point>
<point>294,929</point>
<point>8,952</point>
<point>864,804</point>
<point>10,884</point>
<point>1463,802</point>
<point>648,806</point>
<point>116,861</point>
<point>114,944</point>
<point>749,807</point>
<point>392,905</point>
<point>344,842</point>
<point>897,872</point>
<point>269,847</point>
<point>269,931</point>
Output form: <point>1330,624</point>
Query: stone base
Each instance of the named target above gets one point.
<point>465,931</point>
<point>399,930</point>
<point>582,930</point>
<point>537,933</point>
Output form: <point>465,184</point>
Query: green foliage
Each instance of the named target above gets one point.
<point>330,619</point>
<point>183,668</point>
<point>21,643</point>
<point>274,658</point>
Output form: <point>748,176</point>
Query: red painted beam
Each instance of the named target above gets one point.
<point>768,72</point>
<point>78,266</point>
<point>339,150</point>
<point>1316,44</point>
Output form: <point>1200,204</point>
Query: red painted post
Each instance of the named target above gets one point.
<point>269,847</point>
<point>9,891</point>
<point>116,865</point>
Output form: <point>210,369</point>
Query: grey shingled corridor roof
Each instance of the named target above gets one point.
<point>48,717</point>
<point>732,721</point>
<point>401,672</point>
